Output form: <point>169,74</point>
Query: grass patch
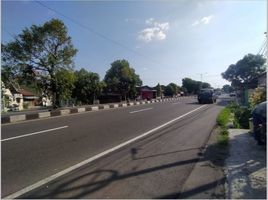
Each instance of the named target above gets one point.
<point>223,117</point>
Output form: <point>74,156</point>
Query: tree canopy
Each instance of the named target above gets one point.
<point>227,88</point>
<point>244,74</point>
<point>171,89</point>
<point>87,86</point>
<point>193,86</point>
<point>39,52</point>
<point>121,78</point>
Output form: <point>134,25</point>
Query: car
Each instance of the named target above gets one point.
<point>259,123</point>
<point>206,96</point>
<point>232,95</point>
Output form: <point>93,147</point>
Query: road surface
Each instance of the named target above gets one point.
<point>156,165</point>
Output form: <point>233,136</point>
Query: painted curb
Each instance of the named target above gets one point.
<point>31,116</point>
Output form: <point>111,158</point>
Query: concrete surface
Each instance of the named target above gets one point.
<point>245,167</point>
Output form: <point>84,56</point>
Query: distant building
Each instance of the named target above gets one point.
<point>146,92</point>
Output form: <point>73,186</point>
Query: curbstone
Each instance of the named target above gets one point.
<point>17,118</point>
<point>122,105</point>
<point>137,103</point>
<point>32,116</point>
<point>64,112</point>
<point>102,107</point>
<point>130,104</point>
<point>73,110</point>
<point>55,113</point>
<point>114,106</point>
<point>88,108</point>
<point>81,110</point>
<point>44,114</point>
<point>94,108</point>
<point>5,120</point>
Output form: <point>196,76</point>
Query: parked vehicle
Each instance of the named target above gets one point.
<point>259,123</point>
<point>206,96</point>
<point>232,95</point>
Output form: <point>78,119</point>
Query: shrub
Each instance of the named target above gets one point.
<point>223,117</point>
<point>233,106</point>
<point>242,116</point>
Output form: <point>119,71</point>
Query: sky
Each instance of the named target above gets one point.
<point>164,41</point>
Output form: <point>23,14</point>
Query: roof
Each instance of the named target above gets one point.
<point>146,88</point>
<point>26,92</point>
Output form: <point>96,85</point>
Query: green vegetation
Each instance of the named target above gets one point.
<point>122,79</point>
<point>223,117</point>
<point>245,73</point>
<point>222,120</point>
<point>38,53</point>
<point>193,86</point>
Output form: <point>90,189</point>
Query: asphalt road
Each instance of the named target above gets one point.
<point>155,166</point>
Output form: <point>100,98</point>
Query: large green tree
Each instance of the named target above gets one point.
<point>39,52</point>
<point>87,86</point>
<point>193,86</point>
<point>227,88</point>
<point>244,74</point>
<point>122,79</point>
<point>171,89</point>
<point>65,80</point>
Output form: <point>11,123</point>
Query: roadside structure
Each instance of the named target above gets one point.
<point>146,92</point>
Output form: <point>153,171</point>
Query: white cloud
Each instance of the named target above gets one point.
<point>156,31</point>
<point>195,23</point>
<point>205,20</point>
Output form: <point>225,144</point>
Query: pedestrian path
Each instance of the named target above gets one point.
<point>245,167</point>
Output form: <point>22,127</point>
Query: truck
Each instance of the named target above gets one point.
<point>206,96</point>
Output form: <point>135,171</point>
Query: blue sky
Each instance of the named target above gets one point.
<point>164,41</point>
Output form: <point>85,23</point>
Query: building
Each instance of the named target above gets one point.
<point>146,92</point>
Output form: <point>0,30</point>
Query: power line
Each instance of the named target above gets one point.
<point>96,32</point>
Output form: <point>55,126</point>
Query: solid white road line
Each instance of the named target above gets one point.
<point>140,110</point>
<point>61,173</point>
<point>35,133</point>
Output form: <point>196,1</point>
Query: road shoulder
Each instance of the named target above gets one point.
<point>207,179</point>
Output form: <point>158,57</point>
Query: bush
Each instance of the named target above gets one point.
<point>233,107</point>
<point>223,117</point>
<point>242,116</point>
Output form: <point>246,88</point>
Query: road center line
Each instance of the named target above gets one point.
<point>140,110</point>
<point>35,133</point>
<point>76,166</point>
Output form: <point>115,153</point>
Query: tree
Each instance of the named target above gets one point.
<point>39,52</point>
<point>244,74</point>
<point>65,80</point>
<point>193,86</point>
<point>171,89</point>
<point>227,88</point>
<point>87,86</point>
<point>190,85</point>
<point>205,85</point>
<point>121,78</point>
<point>158,90</point>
